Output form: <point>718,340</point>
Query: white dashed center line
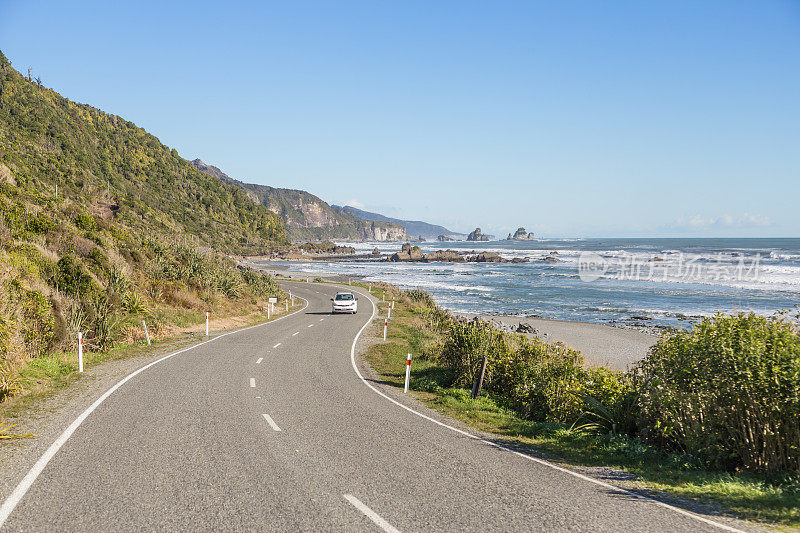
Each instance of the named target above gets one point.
<point>295,333</point>
<point>259,360</point>
<point>321,319</point>
<point>277,345</point>
<point>271,422</point>
<point>372,515</point>
<point>252,382</point>
<point>311,325</point>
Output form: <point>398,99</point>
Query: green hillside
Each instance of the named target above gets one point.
<point>101,225</point>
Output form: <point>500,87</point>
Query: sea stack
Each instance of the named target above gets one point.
<point>477,235</point>
<point>520,235</point>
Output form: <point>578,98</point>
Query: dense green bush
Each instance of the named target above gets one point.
<point>464,348</point>
<point>727,391</point>
<point>539,380</point>
<point>71,277</point>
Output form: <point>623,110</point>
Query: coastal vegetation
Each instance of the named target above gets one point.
<point>101,227</point>
<point>712,413</point>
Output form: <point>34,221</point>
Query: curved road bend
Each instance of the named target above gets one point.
<point>271,429</point>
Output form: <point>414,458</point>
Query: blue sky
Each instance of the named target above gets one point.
<point>569,118</point>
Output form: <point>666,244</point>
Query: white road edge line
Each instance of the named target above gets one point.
<point>603,484</point>
<point>258,362</point>
<point>277,345</point>
<point>22,488</point>
<point>252,382</point>
<point>271,422</point>
<point>372,515</point>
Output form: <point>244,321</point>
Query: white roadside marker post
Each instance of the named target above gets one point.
<point>385,325</point>
<point>146,334</point>
<point>408,372</point>
<point>392,302</point>
<point>383,296</point>
<point>269,306</point>
<point>389,314</point>
<point>287,305</point>
<point>206,323</point>
<point>370,288</point>
<point>80,351</point>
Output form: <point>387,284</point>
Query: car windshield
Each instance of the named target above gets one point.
<point>340,297</point>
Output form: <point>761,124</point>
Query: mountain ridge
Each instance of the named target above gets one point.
<point>308,217</point>
<point>414,228</point>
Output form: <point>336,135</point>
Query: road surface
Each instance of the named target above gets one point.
<point>272,428</point>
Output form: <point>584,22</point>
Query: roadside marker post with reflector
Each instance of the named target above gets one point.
<point>385,325</point>
<point>408,372</point>
<point>389,314</point>
<point>392,302</point>
<point>80,352</point>
<point>206,323</point>
<point>146,334</point>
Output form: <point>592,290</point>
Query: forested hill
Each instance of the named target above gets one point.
<point>117,171</point>
<point>102,227</point>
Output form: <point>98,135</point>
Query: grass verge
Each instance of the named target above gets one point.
<point>773,500</point>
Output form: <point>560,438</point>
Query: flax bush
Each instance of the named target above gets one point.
<point>727,391</point>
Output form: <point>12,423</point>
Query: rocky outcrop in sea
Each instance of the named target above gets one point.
<point>477,236</point>
<point>520,235</point>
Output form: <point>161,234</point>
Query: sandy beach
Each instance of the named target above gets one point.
<point>600,344</point>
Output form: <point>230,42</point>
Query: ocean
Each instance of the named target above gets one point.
<point>661,282</point>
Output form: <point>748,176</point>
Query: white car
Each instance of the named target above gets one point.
<point>344,302</point>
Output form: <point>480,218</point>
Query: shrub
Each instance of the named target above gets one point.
<point>728,391</point>
<point>464,348</point>
<point>540,380</point>
<point>35,318</point>
<point>421,297</point>
<point>84,221</point>
<point>133,303</point>
<point>71,278</point>
<point>9,383</point>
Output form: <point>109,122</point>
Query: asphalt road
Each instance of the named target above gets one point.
<point>272,429</point>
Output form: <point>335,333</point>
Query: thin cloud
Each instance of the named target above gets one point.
<point>700,222</point>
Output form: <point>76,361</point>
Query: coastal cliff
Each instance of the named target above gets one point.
<point>308,217</point>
